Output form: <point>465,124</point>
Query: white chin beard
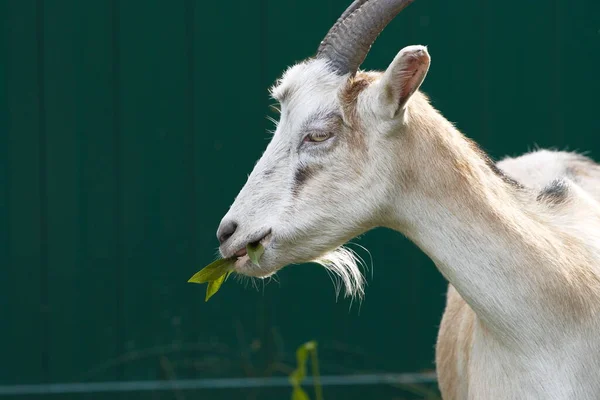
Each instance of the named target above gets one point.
<point>345,265</point>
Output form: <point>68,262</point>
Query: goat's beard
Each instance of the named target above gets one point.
<point>345,268</point>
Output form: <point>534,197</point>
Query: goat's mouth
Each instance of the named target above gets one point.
<point>241,253</point>
<point>243,264</point>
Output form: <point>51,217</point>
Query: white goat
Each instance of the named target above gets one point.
<point>356,150</point>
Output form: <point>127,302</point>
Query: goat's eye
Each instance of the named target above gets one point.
<point>318,136</point>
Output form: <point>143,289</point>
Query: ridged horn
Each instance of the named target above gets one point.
<point>349,40</point>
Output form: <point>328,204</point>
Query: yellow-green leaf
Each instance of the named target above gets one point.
<point>212,271</point>
<point>213,286</point>
<point>310,346</point>
<point>299,394</point>
<point>296,377</point>
<point>255,252</point>
<point>299,373</point>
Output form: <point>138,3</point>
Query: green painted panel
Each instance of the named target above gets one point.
<point>81,180</point>
<point>23,336</point>
<point>61,173</point>
<point>5,273</point>
<point>156,205</point>
<point>98,275</point>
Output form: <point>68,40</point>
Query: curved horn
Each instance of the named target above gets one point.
<point>347,43</point>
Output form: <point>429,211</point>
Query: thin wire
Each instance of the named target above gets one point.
<point>224,383</point>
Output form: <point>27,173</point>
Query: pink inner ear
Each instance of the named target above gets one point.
<point>412,66</point>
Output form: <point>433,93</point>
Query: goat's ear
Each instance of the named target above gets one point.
<point>402,78</point>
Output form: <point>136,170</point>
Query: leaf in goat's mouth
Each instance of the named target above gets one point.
<point>215,274</point>
<point>214,286</point>
<point>218,271</point>
<point>213,271</point>
<point>255,252</point>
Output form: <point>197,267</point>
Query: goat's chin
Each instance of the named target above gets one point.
<point>244,266</point>
<point>342,262</point>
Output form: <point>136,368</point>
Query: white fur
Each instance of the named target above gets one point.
<point>268,202</point>
<point>344,264</point>
<point>523,315</point>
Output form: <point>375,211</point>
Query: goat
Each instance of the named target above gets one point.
<point>518,241</point>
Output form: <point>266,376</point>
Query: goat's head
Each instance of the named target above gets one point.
<point>327,174</point>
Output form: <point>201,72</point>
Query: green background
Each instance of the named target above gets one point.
<point>128,127</point>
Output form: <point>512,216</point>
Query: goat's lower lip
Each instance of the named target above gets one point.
<point>241,252</point>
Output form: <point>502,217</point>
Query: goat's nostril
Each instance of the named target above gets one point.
<point>226,230</point>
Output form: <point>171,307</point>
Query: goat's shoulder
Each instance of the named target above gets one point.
<point>562,193</point>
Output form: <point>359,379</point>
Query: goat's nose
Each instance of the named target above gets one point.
<point>226,230</point>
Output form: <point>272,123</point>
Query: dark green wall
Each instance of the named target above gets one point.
<point>128,127</point>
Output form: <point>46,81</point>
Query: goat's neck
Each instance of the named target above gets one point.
<point>503,260</point>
